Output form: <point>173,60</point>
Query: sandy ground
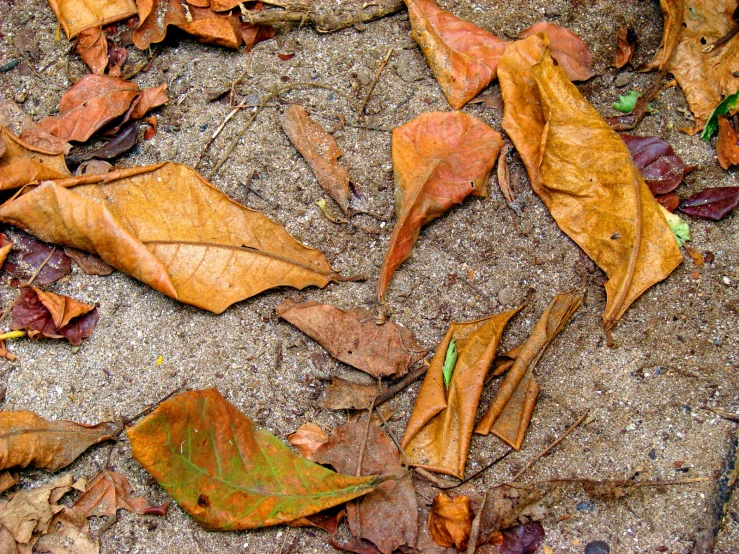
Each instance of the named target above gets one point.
<point>650,397</point>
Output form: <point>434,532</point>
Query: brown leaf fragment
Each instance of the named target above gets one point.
<point>353,337</point>
<point>307,439</point>
<point>29,254</point>
<point>43,140</point>
<point>89,263</point>
<point>122,142</point>
<point>6,245</point>
<point>77,15</point>
<point>567,48</point>
<point>69,533</point>
<point>462,57</point>
<point>450,521</point>
<point>669,202</point>
<point>109,492</point>
<point>21,163</point>
<point>14,118</point>
<point>387,516</point>
<point>321,152</point>
<point>439,159</point>
<point>727,144</point>
<point>672,10</point>
<point>92,46</point>
<point>583,172</point>
<point>343,394</point>
<point>508,505</point>
<point>7,480</point>
<point>625,46</point>
<point>438,434</point>
<point>250,33</point>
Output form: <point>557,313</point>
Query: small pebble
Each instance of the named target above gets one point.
<point>507,296</point>
<point>585,507</point>
<point>622,79</point>
<point>597,547</point>
<point>726,280</point>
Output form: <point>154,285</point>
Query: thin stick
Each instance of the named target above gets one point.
<point>475,532</point>
<point>367,429</point>
<point>247,186</point>
<point>374,80</point>
<point>400,385</point>
<point>480,472</point>
<point>153,406</point>
<point>406,463</point>
<point>543,453</point>
<point>431,478</point>
<point>726,415</point>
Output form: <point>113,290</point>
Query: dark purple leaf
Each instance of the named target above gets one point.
<point>669,201</point>
<point>523,539</point>
<point>122,142</point>
<point>27,256</point>
<point>714,203</point>
<point>661,168</point>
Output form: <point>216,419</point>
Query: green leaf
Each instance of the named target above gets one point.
<point>726,105</point>
<point>627,102</point>
<point>449,362</point>
<point>679,226</point>
<point>228,474</point>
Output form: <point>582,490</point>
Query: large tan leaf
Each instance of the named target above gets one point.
<point>168,227</point>
<point>76,15</point>
<point>439,159</point>
<point>22,163</point>
<point>462,57</point>
<point>583,172</point>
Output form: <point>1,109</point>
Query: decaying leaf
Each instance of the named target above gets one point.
<point>228,474</point>
<point>68,533</point>
<point>343,394</point>
<point>462,57</point>
<point>92,46</point>
<point>353,337</point>
<point>109,492</point>
<point>625,46</point>
<point>22,163</point>
<point>43,140</point>
<point>727,144</point>
<point>439,431</point>
<point>76,15</point>
<point>509,505</point>
<point>672,10</point>
<point>522,539</point>
<point>567,48</point>
<point>252,34</point>
<point>89,263</point>
<point>320,151</point>
<point>6,245</point>
<point>660,167</point>
<point>307,439</point>
<point>388,516</point>
<point>29,254</point>
<point>450,521</point>
<point>29,440</point>
<point>122,142</point>
<point>8,480</point>
<point>712,203</point>
<point>168,227</point>
<point>439,159</point>
<point>583,172</point>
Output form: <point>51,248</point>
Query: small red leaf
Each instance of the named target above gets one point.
<point>713,203</point>
<point>661,168</point>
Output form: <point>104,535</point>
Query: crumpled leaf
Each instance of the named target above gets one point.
<point>462,57</point>
<point>661,168</point>
<point>226,473</point>
<point>353,337</point>
<point>69,533</point>
<point>76,15</point>
<point>583,173</point>
<point>567,48</point>
<point>53,316</point>
<point>27,256</point>
<point>509,505</point>
<point>122,142</point>
<point>307,439</point>
<point>522,539</point>
<point>29,440</point>
<point>89,263</point>
<point>96,100</point>
<point>625,46</point>
<point>22,163</point>
<point>92,46</point>
<point>450,521</point>
<point>712,203</point>
<point>168,227</point>
<point>109,492</point>
<point>438,433</point>
<point>343,394</point>
<point>727,144</point>
<point>320,151</point>
<point>388,516</point>
<point>439,159</point>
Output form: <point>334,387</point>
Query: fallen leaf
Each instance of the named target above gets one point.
<point>388,516</point>
<point>450,521</point>
<point>726,107</point>
<point>639,108</point>
<point>44,140</point>
<point>439,159</point>
<point>353,337</point>
<point>168,227</point>
<point>523,539</point>
<point>462,57</point>
<point>625,46</point>
<point>77,15</point>
<point>14,119</point>
<point>672,10</point>
<point>727,144</point>
<point>343,394</point>
<point>438,434</point>
<point>151,129</point>
<point>567,48</point>
<point>92,46</point>
<point>226,473</point>
<point>6,245</point>
<point>8,480</point>
<point>252,34</point>
<point>68,533</point>
<point>669,201</point>
<point>320,151</point>
<point>509,505</point>
<point>29,254</point>
<point>307,439</point>
<point>21,163</point>
<point>109,492</point>
<point>122,142</point>
<point>89,263</point>
<point>712,203</point>
<point>425,542</point>
<point>117,56</point>
<point>583,173</point>
<point>52,316</point>
<point>29,440</point>
<point>657,162</point>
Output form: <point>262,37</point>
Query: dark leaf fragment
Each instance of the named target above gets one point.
<point>89,263</point>
<point>524,539</point>
<point>661,168</point>
<point>713,203</point>
<point>27,256</point>
<point>122,142</point>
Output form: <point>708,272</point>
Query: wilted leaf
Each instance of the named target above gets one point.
<point>168,227</point>
<point>508,505</point>
<point>122,142</point>
<point>672,10</point>
<point>567,48</point>
<point>109,492</point>
<point>439,159</point>
<point>439,431</point>
<point>27,256</point>
<point>353,337</point>
<point>583,173</point>
<point>450,521</point>
<point>76,15</point>
<point>92,46</point>
<point>307,439</point>
<point>727,144</point>
<point>712,203</point>
<point>68,533</point>
<point>29,440</point>
<point>320,151</point>
<point>44,140</point>
<point>252,34</point>
<point>660,167</point>
<point>669,201</point>
<point>462,57</point>
<point>228,474</point>
<point>388,516</point>
<point>625,46</point>
<point>523,539</point>
<point>22,163</point>
<point>89,263</point>
<point>343,394</point>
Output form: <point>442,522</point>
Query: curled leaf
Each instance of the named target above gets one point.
<point>109,492</point>
<point>77,15</point>
<point>727,144</point>
<point>661,168</point>
<point>713,203</point>
<point>567,48</point>
<point>449,362</point>
<point>22,163</point>
<point>92,46</point>
<point>625,46</point>
<point>307,439</point>
<point>450,521</point>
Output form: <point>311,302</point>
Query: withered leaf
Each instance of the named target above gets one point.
<point>439,431</point>
<point>44,140</point>
<point>320,151</point>
<point>508,505</point>
<point>625,46</point>
<point>27,256</point>
<point>21,163</point>
<point>669,201</point>
<point>567,48</point>
<point>353,337</point>
<point>109,492</point>
<point>307,439</point>
<point>660,167</point>
<point>712,203</point>
<point>92,46</point>
<point>450,521</point>
<point>89,263</point>
<point>8,480</point>
<point>29,440</point>
<point>122,142</point>
<point>53,316</point>
<point>727,144</point>
<point>462,57</point>
<point>343,394</point>
<point>228,474</point>
<point>522,539</point>
<point>168,227</point>
<point>388,516</point>
<point>76,15</point>
<point>68,533</point>
<point>583,172</point>
<point>439,159</point>
<point>250,33</point>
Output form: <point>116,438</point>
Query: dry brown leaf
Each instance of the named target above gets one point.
<point>168,227</point>
<point>21,163</point>
<point>508,505</point>
<point>92,46</point>
<point>450,521</point>
<point>77,15</point>
<point>320,151</point>
<point>89,263</point>
<point>7,480</point>
<point>307,439</point>
<point>625,46</point>
<point>672,10</point>
<point>439,431</point>
<point>44,140</point>
<point>567,48</point>
<point>6,245</point>
<point>462,57</point>
<point>353,337</point>
<point>343,394</point>
<point>727,144</point>
<point>109,492</point>
<point>69,533</point>
<point>439,159</point>
<point>584,174</point>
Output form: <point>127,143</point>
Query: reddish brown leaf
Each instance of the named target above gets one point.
<point>712,203</point>
<point>27,256</point>
<point>343,394</point>
<point>660,167</point>
<point>92,46</point>
<point>307,439</point>
<point>44,140</point>
<point>625,46</point>
<point>117,56</point>
<point>6,245</point>
<point>669,201</point>
<point>252,34</point>
<point>76,15</point>
<point>567,48</point>
<point>523,539</point>
<point>354,338</point>
<point>109,492</point>
<point>21,163</point>
<point>462,57</point>
<point>89,263</point>
<point>149,99</point>
<point>122,142</point>
<point>439,159</point>
<point>727,144</point>
<point>450,521</point>
<point>151,130</point>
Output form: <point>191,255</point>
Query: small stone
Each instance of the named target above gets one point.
<point>553,11</point>
<point>597,547</point>
<point>622,79</point>
<point>410,66</point>
<point>585,507</point>
<point>652,454</point>
<point>726,280</point>
<point>507,296</point>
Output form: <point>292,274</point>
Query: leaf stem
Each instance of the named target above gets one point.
<point>12,335</point>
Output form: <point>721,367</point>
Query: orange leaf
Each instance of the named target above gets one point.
<point>450,521</point>
<point>727,144</point>
<point>625,46</point>
<point>22,163</point>
<point>567,48</point>
<point>92,46</point>
<point>76,15</point>
<point>307,439</point>
<point>109,492</point>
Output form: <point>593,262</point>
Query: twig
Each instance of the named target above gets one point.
<point>238,79</point>
<point>153,406</point>
<point>367,429</point>
<point>400,385</point>
<point>393,437</point>
<point>726,415</point>
<point>247,186</point>
<point>475,532</point>
<point>431,478</point>
<point>374,81</point>
<point>548,448</point>
<point>480,472</point>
